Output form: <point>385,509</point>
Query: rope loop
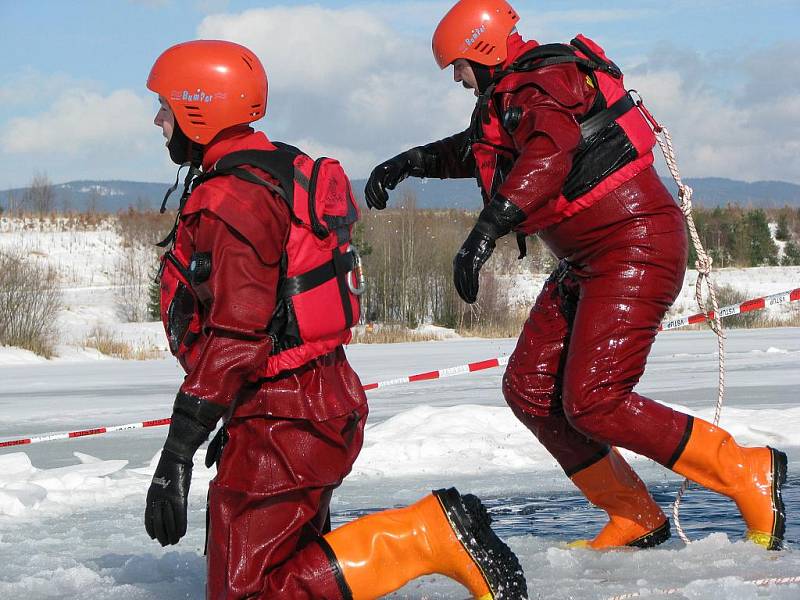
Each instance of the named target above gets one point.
<point>703,264</point>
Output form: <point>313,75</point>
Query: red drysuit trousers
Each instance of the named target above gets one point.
<point>584,347</point>
<point>268,505</point>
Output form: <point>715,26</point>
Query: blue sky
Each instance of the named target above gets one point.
<point>357,80</point>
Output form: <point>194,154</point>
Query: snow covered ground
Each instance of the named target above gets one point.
<point>71,511</point>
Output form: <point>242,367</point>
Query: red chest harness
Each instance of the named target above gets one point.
<point>616,140</point>
<point>320,285</point>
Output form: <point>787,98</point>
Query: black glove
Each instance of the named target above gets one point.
<point>495,221</point>
<point>415,162</point>
<point>165,513</point>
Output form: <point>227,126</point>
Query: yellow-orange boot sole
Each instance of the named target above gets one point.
<point>773,539</point>
<point>752,477</point>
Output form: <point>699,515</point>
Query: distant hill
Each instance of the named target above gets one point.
<point>101,196</point>
<point>114,196</point>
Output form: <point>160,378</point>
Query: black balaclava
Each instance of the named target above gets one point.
<point>182,150</point>
<point>483,75</point>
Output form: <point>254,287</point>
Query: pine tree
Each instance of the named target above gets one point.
<point>762,249</point>
<point>791,255</point>
<point>782,232</point>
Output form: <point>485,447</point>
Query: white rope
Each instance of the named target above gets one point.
<point>703,266</point>
<point>670,591</point>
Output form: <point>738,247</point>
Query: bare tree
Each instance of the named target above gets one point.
<point>138,262</point>
<point>93,204</point>
<point>40,196</point>
<point>409,271</point>
<point>11,203</point>
<point>30,300</point>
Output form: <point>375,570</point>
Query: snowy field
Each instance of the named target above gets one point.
<point>89,260</point>
<point>71,511</point>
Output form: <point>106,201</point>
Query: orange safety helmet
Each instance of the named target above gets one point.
<point>475,30</point>
<point>210,85</point>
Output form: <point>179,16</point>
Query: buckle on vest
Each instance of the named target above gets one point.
<point>639,103</point>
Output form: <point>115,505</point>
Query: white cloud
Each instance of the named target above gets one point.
<point>308,46</point>
<point>358,161</point>
<point>80,118</point>
<point>347,79</point>
<point>29,86</point>
<point>84,134</point>
<point>360,84</point>
<point>725,131</point>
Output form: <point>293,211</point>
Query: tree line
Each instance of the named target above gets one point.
<point>743,237</point>
<point>407,255</point>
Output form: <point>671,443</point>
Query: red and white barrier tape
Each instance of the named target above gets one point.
<point>735,309</point>
<point>50,437</point>
<point>452,371</point>
<point>726,311</point>
<point>440,374</point>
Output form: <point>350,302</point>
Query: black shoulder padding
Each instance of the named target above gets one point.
<point>278,163</point>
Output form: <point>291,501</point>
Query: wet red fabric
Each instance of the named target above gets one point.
<point>586,342</point>
<point>293,437</point>
<point>243,228</point>
<point>269,502</point>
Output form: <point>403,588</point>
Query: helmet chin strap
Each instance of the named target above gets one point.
<point>185,153</point>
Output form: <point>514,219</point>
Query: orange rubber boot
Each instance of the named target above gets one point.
<point>634,517</point>
<point>752,477</point>
<point>443,533</point>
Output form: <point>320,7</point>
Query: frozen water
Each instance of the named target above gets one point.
<point>71,511</point>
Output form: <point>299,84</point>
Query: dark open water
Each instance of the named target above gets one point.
<point>566,516</point>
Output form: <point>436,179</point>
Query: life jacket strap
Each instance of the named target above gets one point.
<point>339,266</point>
<point>600,120</point>
<point>253,178</point>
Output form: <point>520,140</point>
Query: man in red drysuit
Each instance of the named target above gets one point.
<point>560,149</point>
<point>251,334</point>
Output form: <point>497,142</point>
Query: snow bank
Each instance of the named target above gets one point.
<point>24,489</point>
<point>755,282</point>
<point>87,260</point>
<point>71,524</point>
<point>423,442</point>
<point>458,440</point>
<point>484,440</point>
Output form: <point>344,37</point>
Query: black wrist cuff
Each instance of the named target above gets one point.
<point>424,161</point>
<point>499,217</point>
<point>204,412</point>
<point>192,421</point>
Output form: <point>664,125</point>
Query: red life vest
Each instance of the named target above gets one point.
<point>320,283</point>
<point>616,144</point>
